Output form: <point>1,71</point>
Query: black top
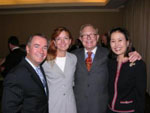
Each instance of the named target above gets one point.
<point>12,60</point>
<point>127,86</point>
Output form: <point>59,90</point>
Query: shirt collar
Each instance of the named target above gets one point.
<point>34,67</point>
<point>93,51</point>
<point>15,48</point>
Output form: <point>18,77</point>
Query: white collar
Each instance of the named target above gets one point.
<point>34,67</point>
<point>93,51</point>
<point>15,48</point>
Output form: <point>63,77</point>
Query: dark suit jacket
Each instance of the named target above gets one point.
<point>12,60</point>
<point>91,87</point>
<point>23,91</point>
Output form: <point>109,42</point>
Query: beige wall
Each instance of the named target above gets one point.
<point>22,25</point>
<point>137,21</point>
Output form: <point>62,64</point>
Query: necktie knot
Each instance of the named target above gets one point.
<point>89,54</point>
<point>38,70</point>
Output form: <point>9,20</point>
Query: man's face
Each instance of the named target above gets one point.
<point>89,38</point>
<point>10,47</point>
<point>37,50</point>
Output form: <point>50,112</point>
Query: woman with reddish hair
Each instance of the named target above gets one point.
<point>59,69</point>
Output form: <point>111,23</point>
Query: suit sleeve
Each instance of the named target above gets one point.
<point>12,95</point>
<point>140,87</point>
<point>8,64</point>
<point>12,60</point>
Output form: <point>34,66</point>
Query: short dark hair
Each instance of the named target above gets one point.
<point>38,34</point>
<point>13,40</point>
<point>126,34</point>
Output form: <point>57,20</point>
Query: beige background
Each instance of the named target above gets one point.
<point>23,25</point>
<point>135,16</point>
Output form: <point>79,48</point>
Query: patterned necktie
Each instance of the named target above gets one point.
<point>88,61</point>
<point>40,74</point>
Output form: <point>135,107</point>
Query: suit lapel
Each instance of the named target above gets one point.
<point>57,69</point>
<point>81,59</point>
<point>97,58</point>
<point>65,68</point>
<point>45,79</point>
<point>66,64</point>
<point>34,74</point>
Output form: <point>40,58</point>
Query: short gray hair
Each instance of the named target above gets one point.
<point>88,25</point>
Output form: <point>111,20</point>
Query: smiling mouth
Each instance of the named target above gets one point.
<point>63,45</point>
<point>117,49</point>
<point>89,42</point>
<point>40,56</point>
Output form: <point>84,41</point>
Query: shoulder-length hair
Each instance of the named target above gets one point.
<point>52,50</point>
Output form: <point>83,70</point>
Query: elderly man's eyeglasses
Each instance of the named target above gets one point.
<point>85,36</point>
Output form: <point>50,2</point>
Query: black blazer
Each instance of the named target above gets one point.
<point>13,58</point>
<point>127,89</point>
<point>23,91</point>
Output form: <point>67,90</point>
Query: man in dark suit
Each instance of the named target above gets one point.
<point>91,86</point>
<point>14,57</point>
<point>25,90</point>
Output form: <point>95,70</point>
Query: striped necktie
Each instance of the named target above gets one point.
<point>88,61</point>
<point>41,76</point>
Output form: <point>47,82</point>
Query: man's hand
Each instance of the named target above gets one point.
<point>133,56</point>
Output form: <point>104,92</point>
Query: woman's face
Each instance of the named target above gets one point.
<point>118,43</point>
<point>62,41</point>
